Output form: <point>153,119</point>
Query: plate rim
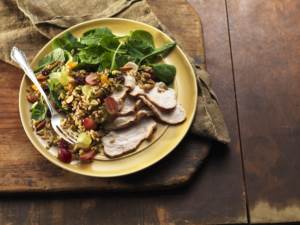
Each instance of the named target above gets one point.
<point>140,168</point>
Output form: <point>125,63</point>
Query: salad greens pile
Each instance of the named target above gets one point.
<point>100,49</point>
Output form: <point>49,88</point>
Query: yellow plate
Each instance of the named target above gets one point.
<point>185,85</point>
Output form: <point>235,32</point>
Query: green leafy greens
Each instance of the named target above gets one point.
<point>100,49</point>
<point>57,54</point>
<point>164,72</point>
<point>67,42</point>
<point>95,36</point>
<point>38,111</point>
<point>55,88</point>
<point>91,55</point>
<point>158,53</point>
<point>139,44</point>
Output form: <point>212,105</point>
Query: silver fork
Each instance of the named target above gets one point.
<point>19,57</point>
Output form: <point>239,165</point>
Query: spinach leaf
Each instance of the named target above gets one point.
<point>91,55</point>
<point>105,61</point>
<point>68,42</point>
<point>55,88</point>
<point>101,46</point>
<point>141,41</point>
<point>164,72</point>
<point>135,54</point>
<point>139,44</point>
<point>142,36</point>
<point>122,59</point>
<point>38,111</point>
<point>110,43</point>
<point>57,54</point>
<point>158,53</point>
<point>94,37</point>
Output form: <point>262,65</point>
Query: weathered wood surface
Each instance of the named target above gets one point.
<point>215,195</point>
<point>23,169</point>
<point>265,39</point>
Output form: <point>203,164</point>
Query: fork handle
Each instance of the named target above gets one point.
<point>19,57</point>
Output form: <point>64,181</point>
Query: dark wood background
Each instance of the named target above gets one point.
<point>252,51</point>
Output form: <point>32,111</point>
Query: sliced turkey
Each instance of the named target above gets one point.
<point>128,106</point>
<point>139,104</point>
<point>119,95</point>
<point>161,96</point>
<point>120,142</point>
<point>129,82</point>
<point>137,91</point>
<point>174,116</point>
<point>128,120</point>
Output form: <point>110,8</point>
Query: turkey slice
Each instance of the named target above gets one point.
<point>120,142</point>
<point>128,106</point>
<point>119,95</point>
<point>128,120</point>
<point>174,116</point>
<point>129,82</point>
<point>158,95</point>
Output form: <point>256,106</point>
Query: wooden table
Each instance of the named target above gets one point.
<point>253,54</point>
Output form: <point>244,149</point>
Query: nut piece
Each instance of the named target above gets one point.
<point>130,66</point>
<point>69,99</point>
<point>40,125</point>
<point>148,87</point>
<point>32,98</point>
<point>162,87</point>
<point>40,77</point>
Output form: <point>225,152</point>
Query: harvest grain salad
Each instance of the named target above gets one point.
<point>113,90</point>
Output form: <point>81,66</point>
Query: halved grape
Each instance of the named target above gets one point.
<point>84,140</point>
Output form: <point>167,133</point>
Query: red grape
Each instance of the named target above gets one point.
<point>87,156</point>
<point>64,155</point>
<point>92,79</point>
<point>89,123</point>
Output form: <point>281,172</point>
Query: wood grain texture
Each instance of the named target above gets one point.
<point>184,23</point>
<point>265,39</point>
<point>25,170</point>
<point>214,196</point>
<point>218,61</point>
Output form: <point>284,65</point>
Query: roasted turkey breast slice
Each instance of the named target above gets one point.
<point>163,98</point>
<point>119,95</point>
<point>139,104</point>
<point>137,91</point>
<point>120,142</point>
<point>129,82</point>
<point>128,120</point>
<point>128,106</point>
<point>174,116</point>
<point>158,95</point>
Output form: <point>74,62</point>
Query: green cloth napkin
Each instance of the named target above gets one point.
<point>29,24</point>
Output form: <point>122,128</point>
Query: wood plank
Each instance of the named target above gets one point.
<point>214,196</point>
<point>265,48</point>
